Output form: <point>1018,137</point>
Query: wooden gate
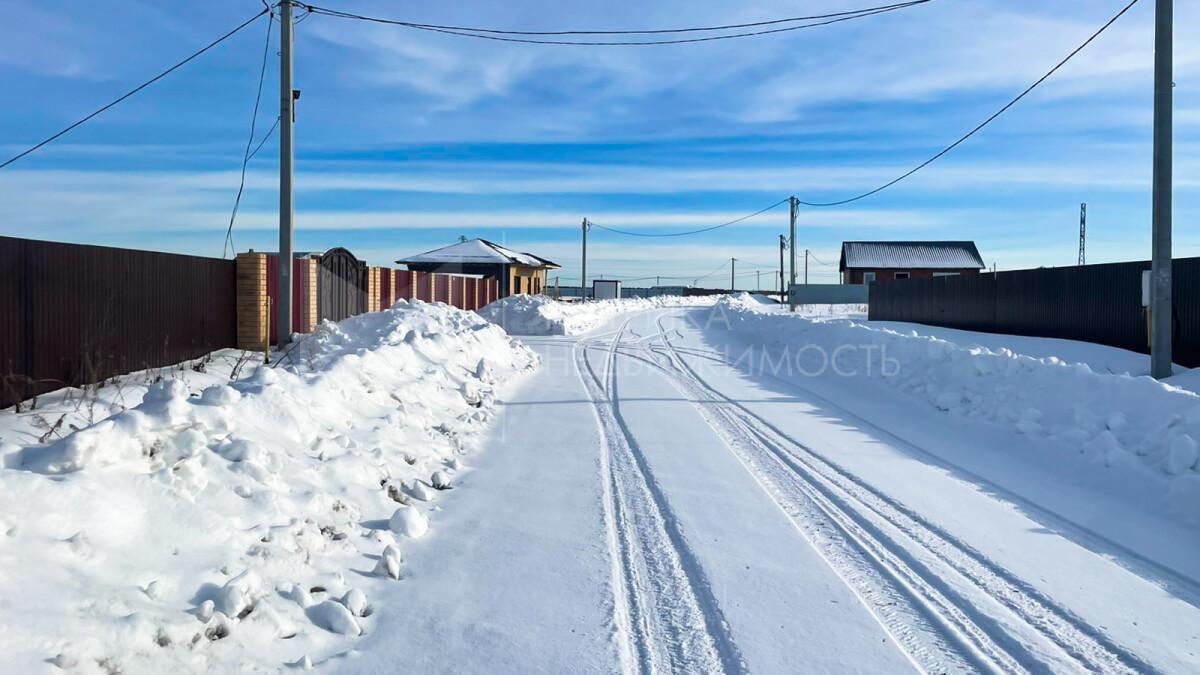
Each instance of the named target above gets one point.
<point>341,285</point>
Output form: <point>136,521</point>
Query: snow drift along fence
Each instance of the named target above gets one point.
<point>336,285</point>
<point>1092,303</point>
<point>73,314</point>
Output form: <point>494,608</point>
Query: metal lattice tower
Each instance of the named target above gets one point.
<point>1083,234</point>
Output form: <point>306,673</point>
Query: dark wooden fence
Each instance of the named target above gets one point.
<point>1092,303</point>
<point>72,314</point>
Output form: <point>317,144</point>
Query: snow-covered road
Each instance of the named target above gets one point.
<point>646,506</point>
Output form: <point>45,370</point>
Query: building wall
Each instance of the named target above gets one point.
<point>855,275</point>
<point>526,280</point>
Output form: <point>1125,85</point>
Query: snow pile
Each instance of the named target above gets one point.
<point>249,526</point>
<point>1125,422</point>
<point>855,311</point>
<point>542,315</point>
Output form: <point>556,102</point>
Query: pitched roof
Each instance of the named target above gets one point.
<point>911,255</point>
<point>477,251</point>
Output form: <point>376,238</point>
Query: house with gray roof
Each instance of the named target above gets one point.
<point>515,271</point>
<point>865,261</point>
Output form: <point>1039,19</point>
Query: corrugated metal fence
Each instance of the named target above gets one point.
<point>72,314</point>
<point>1092,303</point>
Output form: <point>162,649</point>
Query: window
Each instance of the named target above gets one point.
<point>901,275</point>
<point>868,277</point>
<point>945,274</point>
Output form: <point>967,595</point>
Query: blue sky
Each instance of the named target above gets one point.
<point>406,140</point>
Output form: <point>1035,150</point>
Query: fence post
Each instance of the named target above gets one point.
<point>311,299</point>
<point>252,316</point>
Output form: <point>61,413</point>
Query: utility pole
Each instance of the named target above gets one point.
<point>805,267</point>
<point>758,281</point>
<point>782,246</point>
<point>1083,233</point>
<point>1160,267</point>
<point>792,205</point>
<point>287,111</point>
<point>732,270</point>
<point>583,282</point>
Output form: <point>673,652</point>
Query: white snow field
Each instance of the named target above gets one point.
<point>679,488</point>
<point>244,526</point>
<point>541,315</point>
<point>682,512</point>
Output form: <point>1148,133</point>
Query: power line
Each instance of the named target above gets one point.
<point>751,264</point>
<point>681,234</point>
<point>136,89</point>
<point>984,123</point>
<point>716,271</point>
<point>818,260</point>
<point>659,31</point>
<point>262,75</point>
<point>498,35</point>
<point>266,137</point>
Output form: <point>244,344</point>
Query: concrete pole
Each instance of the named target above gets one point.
<point>732,271</point>
<point>782,245</point>
<point>583,282</point>
<point>1160,274</point>
<point>792,253</point>
<point>805,267</point>
<point>286,118</point>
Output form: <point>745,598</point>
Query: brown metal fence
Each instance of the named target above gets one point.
<point>301,321</point>
<point>73,314</point>
<point>1091,303</point>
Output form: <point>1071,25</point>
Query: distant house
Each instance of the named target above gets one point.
<point>866,261</point>
<point>516,272</point>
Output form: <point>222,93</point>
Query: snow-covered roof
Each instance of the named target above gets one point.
<point>911,255</point>
<point>477,251</point>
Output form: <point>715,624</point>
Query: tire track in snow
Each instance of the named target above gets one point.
<point>665,614</point>
<point>963,586</point>
<point>1182,585</point>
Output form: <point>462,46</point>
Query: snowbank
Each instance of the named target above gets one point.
<point>542,315</point>
<point>1127,423</point>
<point>249,526</point>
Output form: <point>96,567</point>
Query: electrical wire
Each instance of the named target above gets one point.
<point>135,90</point>
<point>658,31</point>
<point>681,234</point>
<point>265,137</point>
<point>262,75</point>
<point>498,35</point>
<point>818,260</point>
<point>719,269</point>
<point>982,124</point>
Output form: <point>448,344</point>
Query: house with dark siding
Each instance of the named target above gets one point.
<point>516,272</point>
<point>865,261</point>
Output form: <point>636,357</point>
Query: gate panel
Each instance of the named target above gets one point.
<point>341,285</point>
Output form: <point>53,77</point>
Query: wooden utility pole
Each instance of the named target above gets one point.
<point>1160,266</point>
<point>287,112</point>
